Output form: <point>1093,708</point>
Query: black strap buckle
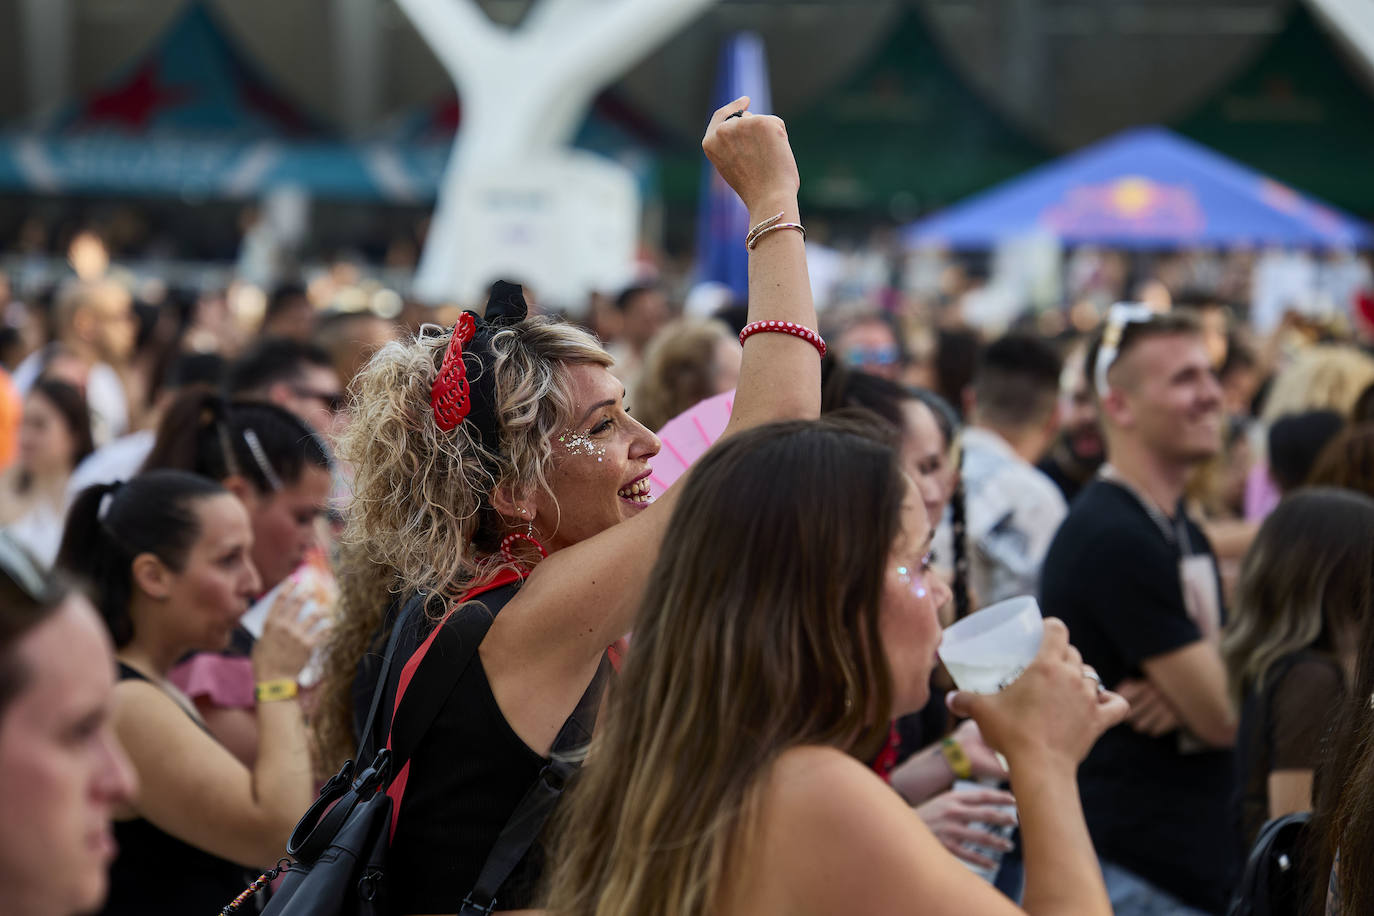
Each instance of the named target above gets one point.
<point>469,906</point>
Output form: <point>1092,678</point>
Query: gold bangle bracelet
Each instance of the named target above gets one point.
<point>280,689</point>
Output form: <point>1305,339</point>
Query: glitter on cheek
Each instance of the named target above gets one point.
<point>582,444</point>
<point>916,584</point>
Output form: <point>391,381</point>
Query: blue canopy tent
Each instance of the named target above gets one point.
<point>1142,188</point>
<point>190,117</point>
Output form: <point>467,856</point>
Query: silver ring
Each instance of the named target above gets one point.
<point>1093,676</point>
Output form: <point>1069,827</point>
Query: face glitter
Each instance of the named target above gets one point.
<point>915,582</point>
<point>582,444</point>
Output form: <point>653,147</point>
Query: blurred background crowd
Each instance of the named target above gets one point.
<point>212,215</point>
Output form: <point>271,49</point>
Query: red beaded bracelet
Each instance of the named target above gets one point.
<point>783,327</point>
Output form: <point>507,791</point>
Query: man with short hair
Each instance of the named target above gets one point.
<point>297,376</point>
<point>1012,509</point>
<point>1078,450</point>
<point>1136,581</point>
<point>64,772</point>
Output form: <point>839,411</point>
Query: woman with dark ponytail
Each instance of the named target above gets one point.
<point>279,468</point>
<point>266,456</point>
<point>167,559</point>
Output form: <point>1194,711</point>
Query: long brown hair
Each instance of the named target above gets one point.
<point>1344,795</point>
<point>1347,461</point>
<point>758,632</point>
<point>1305,580</point>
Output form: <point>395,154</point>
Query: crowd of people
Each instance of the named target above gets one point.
<point>234,561</point>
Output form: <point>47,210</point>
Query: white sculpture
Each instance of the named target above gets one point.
<point>524,92</point>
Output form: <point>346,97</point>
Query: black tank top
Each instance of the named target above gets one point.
<point>155,873</point>
<point>467,775</point>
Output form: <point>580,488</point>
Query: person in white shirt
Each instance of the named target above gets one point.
<point>1013,510</point>
<point>96,325</point>
<point>122,458</point>
<point>54,434</point>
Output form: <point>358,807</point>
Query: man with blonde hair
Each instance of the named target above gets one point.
<point>97,327</point>
<point>1136,581</point>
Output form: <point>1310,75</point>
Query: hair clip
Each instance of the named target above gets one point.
<point>260,459</point>
<point>451,395</point>
<point>107,499</point>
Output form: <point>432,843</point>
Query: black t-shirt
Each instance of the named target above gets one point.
<point>1112,576</point>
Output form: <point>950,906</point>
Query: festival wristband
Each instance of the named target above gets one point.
<point>280,689</point>
<point>958,761</point>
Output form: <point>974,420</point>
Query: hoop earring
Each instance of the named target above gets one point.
<point>527,536</point>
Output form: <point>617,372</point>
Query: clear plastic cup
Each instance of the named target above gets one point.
<point>989,649</point>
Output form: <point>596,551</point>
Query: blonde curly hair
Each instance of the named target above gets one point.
<point>421,517</point>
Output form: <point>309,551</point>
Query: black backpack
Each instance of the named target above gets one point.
<point>1274,882</point>
<point>340,845</point>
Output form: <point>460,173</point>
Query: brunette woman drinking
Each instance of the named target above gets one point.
<point>279,468</point>
<point>167,559</point>
<point>531,462</point>
<point>779,634</point>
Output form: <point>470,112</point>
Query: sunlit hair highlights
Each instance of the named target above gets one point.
<point>421,516</point>
<point>759,632</point>
<point>1306,583</point>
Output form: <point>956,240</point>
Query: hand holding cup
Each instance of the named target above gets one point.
<point>1053,712</point>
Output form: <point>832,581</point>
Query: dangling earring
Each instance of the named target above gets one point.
<point>514,536</point>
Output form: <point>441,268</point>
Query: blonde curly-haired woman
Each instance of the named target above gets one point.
<point>504,469</point>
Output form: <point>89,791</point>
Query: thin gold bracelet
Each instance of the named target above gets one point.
<point>753,243</point>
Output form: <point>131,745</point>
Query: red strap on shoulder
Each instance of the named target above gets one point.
<point>397,789</point>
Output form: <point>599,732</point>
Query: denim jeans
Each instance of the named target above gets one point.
<point>1132,895</point>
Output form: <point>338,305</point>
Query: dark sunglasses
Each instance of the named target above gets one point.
<point>334,400</point>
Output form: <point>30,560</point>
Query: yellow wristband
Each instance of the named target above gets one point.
<point>958,761</point>
<point>281,689</point>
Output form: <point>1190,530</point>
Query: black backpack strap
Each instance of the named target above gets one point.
<point>344,791</point>
<point>529,817</point>
<point>435,679</point>
<point>408,610</point>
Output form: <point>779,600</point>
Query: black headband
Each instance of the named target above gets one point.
<point>465,388</point>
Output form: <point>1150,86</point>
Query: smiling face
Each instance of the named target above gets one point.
<point>908,622</point>
<point>600,470</point>
<point>217,583</point>
<point>64,770</point>
<point>1168,398</point>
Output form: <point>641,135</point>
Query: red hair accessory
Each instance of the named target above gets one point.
<point>451,395</point>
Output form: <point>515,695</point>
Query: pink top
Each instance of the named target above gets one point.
<point>227,681</point>
<point>1261,495</point>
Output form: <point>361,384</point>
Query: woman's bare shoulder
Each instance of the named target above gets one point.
<point>833,837</point>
